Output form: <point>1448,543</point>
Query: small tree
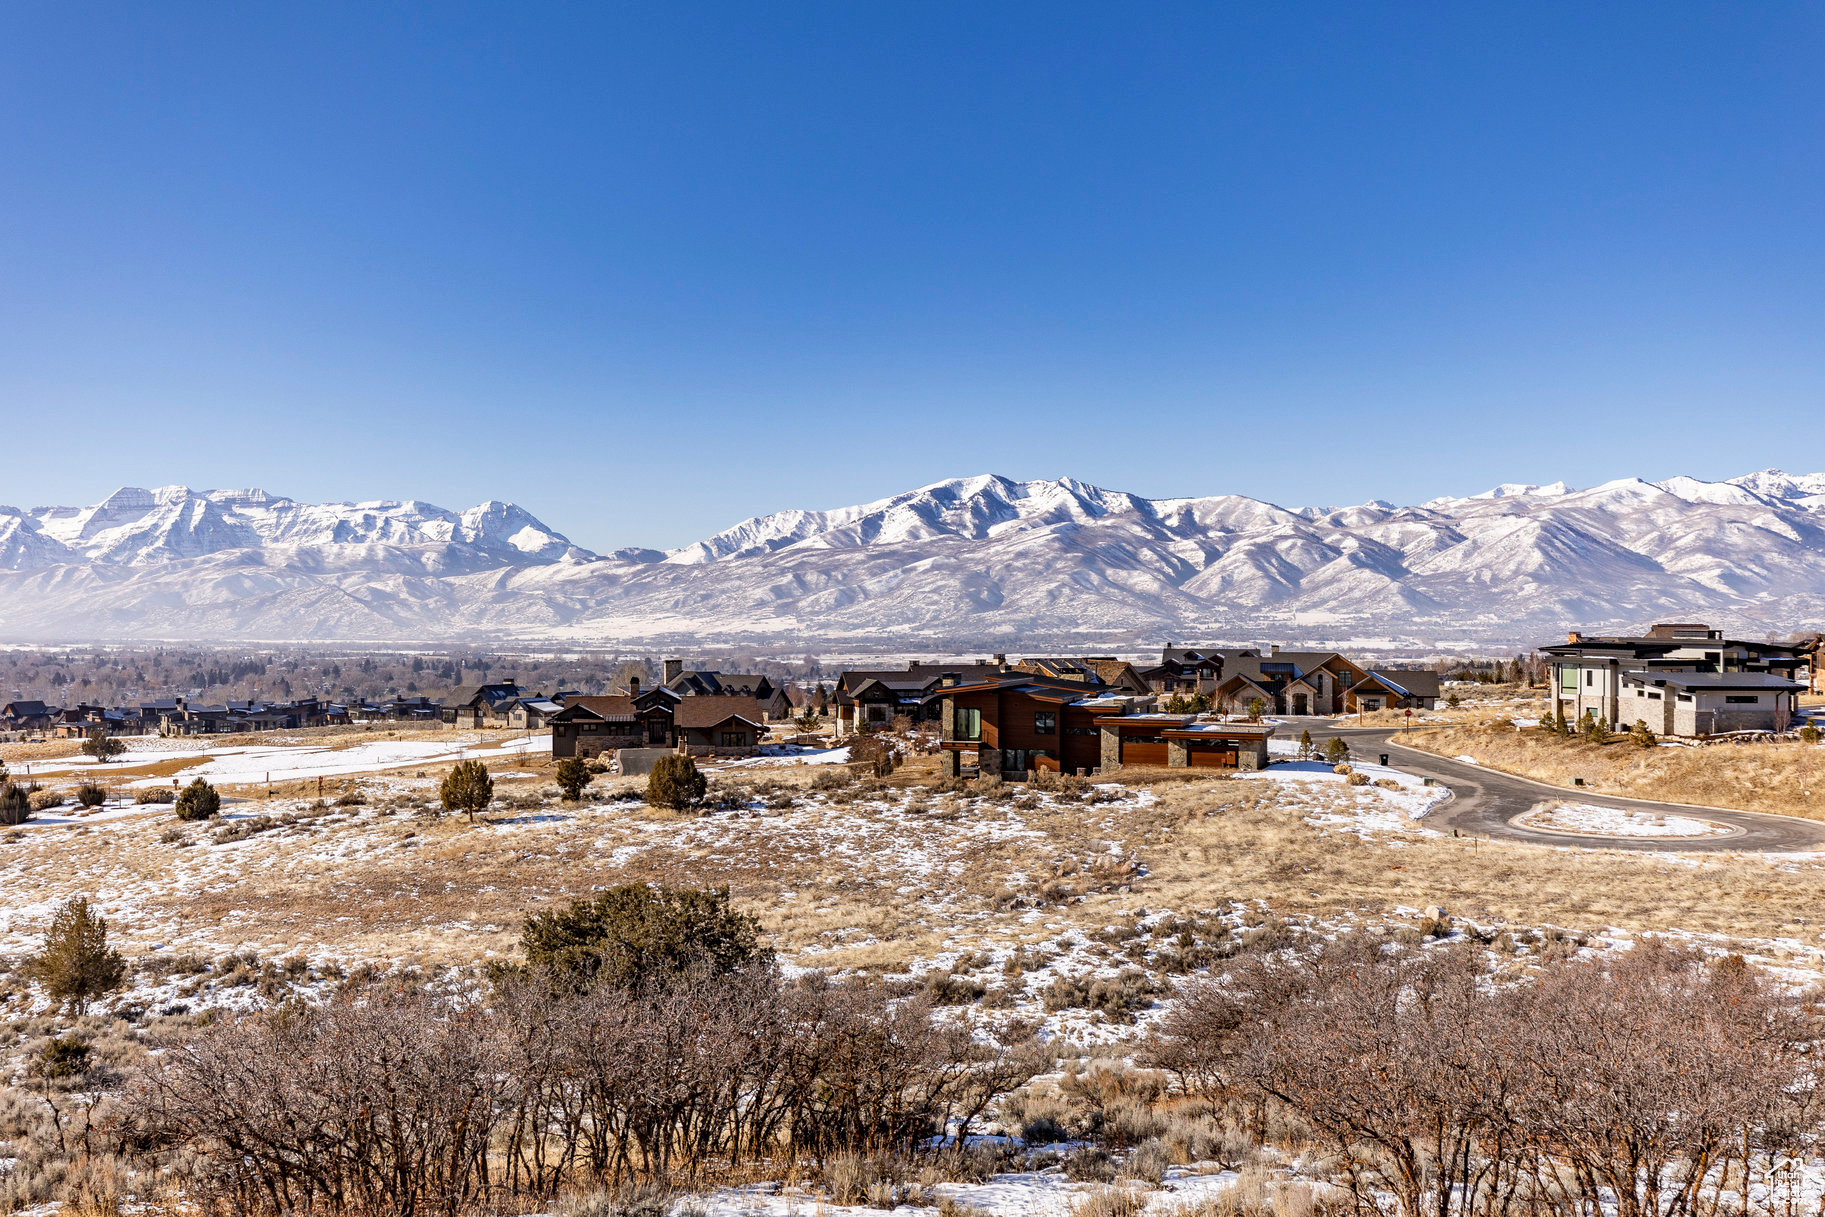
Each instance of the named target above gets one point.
<point>1641,735</point>
<point>198,801</point>
<point>1809,734</point>
<point>1593,728</point>
<point>76,965</point>
<point>573,777</point>
<point>1452,699</point>
<point>467,788</point>
<point>1256,708</point>
<point>102,746</point>
<point>676,784</point>
<point>15,804</point>
<point>806,721</point>
<point>1178,703</point>
<point>91,794</point>
<point>639,937</point>
<point>1307,749</point>
<point>1336,750</point>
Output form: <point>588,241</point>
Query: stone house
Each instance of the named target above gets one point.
<point>590,726</point>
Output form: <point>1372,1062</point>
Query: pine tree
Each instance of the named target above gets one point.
<point>468,788</point>
<point>1306,750</point>
<point>76,966</point>
<point>573,777</point>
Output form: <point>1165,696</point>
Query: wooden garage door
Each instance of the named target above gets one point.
<point>1134,752</point>
<point>1211,756</point>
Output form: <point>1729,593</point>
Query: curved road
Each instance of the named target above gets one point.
<point>1485,801</point>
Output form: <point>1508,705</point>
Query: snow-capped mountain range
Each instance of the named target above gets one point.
<point>982,558</point>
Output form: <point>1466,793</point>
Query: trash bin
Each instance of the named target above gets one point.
<point>1384,759</point>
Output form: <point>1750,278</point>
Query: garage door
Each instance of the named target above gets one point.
<point>1134,752</point>
<point>1211,756</point>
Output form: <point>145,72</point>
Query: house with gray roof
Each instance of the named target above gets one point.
<point>1682,679</point>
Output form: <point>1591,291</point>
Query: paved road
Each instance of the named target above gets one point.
<point>1485,801</point>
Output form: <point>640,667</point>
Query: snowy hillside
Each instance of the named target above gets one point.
<point>982,557</point>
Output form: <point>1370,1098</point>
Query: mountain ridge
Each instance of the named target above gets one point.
<point>986,556</point>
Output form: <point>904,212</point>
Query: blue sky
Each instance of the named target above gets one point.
<point>648,270</point>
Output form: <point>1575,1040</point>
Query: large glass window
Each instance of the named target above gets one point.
<point>968,723</point>
<point>1045,722</point>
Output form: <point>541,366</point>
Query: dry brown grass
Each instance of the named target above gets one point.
<point>1784,777</point>
<point>1237,842</point>
<point>857,883</point>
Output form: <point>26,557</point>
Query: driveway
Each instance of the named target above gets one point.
<point>1485,802</point>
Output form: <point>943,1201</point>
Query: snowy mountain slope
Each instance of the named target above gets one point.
<point>973,557</point>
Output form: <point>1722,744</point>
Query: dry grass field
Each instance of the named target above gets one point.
<point>900,876</point>
<point>1786,777</point>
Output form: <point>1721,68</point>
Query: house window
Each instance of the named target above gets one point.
<point>734,739</point>
<point>968,724</point>
<point>877,713</point>
<point>1590,678</point>
<point>1685,697</point>
<point>1747,699</point>
<point>1653,697</point>
<point>1082,731</point>
<point>1371,703</point>
<point>1045,722</point>
<point>1568,676</point>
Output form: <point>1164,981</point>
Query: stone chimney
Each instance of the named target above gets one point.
<point>674,668</point>
<point>633,686</point>
<point>1001,661</point>
<point>1274,649</point>
<point>1574,636</point>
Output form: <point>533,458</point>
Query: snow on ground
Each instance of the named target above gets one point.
<point>1031,1193</point>
<point>264,763</point>
<point>1590,819</point>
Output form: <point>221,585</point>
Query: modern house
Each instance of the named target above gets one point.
<point>1016,725</point>
<point>1679,678</point>
<point>590,726</point>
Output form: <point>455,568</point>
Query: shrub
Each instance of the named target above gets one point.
<point>635,936</point>
<point>676,784</point>
<point>573,777</point>
<point>199,801</point>
<point>1809,733</point>
<point>157,794</point>
<point>102,746</point>
<point>1089,1164</point>
<point>1358,779</point>
<point>15,805</point>
<point>1149,1161</point>
<point>44,800</point>
<point>1336,750</point>
<point>76,966</point>
<point>91,794</point>
<point>1640,734</point>
<point>467,788</point>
